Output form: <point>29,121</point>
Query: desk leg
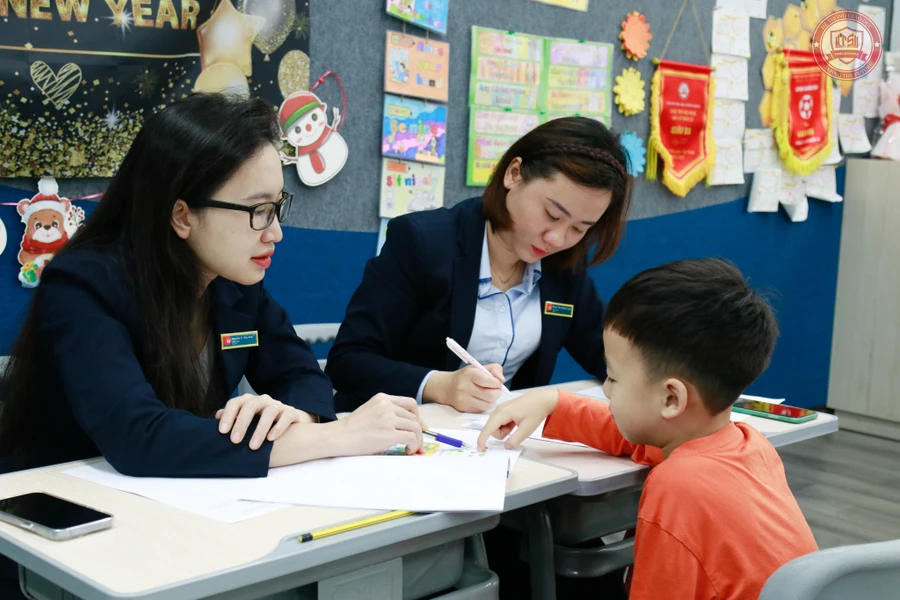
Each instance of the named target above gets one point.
<point>540,553</point>
<point>476,550</point>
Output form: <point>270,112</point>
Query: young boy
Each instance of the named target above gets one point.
<point>682,342</point>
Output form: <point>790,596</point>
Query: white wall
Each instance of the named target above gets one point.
<point>895,27</point>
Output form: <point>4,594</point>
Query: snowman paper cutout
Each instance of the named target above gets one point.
<point>321,151</point>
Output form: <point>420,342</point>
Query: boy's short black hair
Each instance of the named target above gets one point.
<point>699,320</point>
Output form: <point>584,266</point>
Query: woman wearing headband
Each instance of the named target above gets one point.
<point>504,275</point>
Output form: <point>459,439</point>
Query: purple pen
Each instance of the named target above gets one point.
<point>445,439</point>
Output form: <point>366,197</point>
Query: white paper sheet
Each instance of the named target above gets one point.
<point>215,499</point>
<point>731,77</point>
<point>765,190</point>
<point>437,483</point>
<point>822,185</point>
<point>728,119</point>
<point>470,437</point>
<point>731,33</point>
<point>793,188</point>
<point>852,131</point>
<point>834,157</point>
<point>867,97</point>
<point>754,8</point>
<point>759,150</point>
<point>798,211</point>
<point>728,169</point>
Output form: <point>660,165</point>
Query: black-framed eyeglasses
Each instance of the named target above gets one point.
<point>261,215</point>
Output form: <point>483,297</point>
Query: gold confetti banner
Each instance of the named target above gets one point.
<point>78,78</point>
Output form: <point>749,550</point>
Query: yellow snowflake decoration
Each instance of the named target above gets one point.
<point>629,90</point>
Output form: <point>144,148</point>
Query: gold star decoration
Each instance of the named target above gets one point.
<point>227,37</point>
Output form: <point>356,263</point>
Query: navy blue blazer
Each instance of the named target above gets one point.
<point>422,288</point>
<point>95,399</point>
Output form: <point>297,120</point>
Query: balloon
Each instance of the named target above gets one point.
<point>223,77</point>
<point>293,73</point>
<point>279,16</point>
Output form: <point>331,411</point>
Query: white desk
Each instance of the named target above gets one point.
<point>162,553</point>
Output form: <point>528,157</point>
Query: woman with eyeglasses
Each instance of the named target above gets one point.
<point>145,322</point>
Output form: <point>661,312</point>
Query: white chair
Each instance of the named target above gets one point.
<point>311,333</point>
<point>859,572</point>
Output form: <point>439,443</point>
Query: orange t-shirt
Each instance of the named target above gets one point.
<point>715,519</point>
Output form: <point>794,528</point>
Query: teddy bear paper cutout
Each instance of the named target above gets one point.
<point>49,223</point>
<point>321,151</point>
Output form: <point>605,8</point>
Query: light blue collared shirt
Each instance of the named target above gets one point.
<point>507,327</point>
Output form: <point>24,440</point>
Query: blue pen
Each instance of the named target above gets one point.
<point>446,439</point>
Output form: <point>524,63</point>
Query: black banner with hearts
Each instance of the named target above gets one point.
<point>78,77</point>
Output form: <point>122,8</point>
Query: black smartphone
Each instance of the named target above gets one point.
<point>52,517</point>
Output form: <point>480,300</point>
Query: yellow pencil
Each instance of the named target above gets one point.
<point>375,520</point>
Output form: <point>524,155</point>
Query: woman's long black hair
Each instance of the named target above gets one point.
<point>186,151</point>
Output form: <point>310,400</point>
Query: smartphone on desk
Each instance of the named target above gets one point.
<point>779,412</point>
<point>52,517</point>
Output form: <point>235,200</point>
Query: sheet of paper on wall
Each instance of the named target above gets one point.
<point>764,190</point>
<point>867,97</point>
<point>792,196</point>
<point>580,5</point>
<point>852,132</point>
<point>729,162</point>
<point>797,212</point>
<point>754,8</point>
<point>728,119</point>
<point>760,151</point>
<point>409,187</point>
<point>415,66</point>
<point>491,132</point>
<point>506,69</point>
<point>577,78</point>
<point>731,33</point>
<point>822,185</point>
<point>731,77</point>
<point>879,16</point>
<point>834,157</point>
<point>413,129</point>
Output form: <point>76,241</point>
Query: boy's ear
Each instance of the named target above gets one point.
<point>676,392</point>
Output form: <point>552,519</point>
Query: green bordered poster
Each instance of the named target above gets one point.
<point>521,80</point>
<point>491,132</point>
<point>578,78</point>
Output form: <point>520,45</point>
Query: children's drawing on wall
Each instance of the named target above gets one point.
<point>430,14</point>
<point>409,187</point>
<point>399,66</point>
<point>416,66</point>
<point>321,151</point>
<point>414,130</point>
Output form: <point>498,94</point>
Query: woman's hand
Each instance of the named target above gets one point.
<point>383,422</point>
<point>468,390</point>
<point>274,418</point>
